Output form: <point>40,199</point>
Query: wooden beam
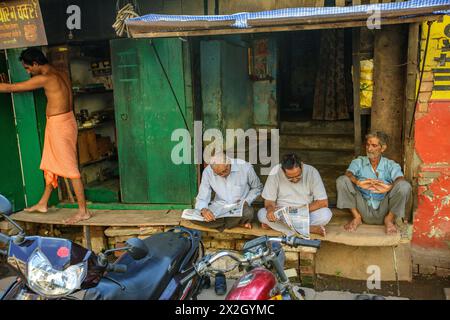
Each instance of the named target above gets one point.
<point>298,27</point>
<point>389,87</point>
<point>356,44</point>
<point>412,73</point>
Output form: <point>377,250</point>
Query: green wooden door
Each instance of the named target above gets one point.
<point>11,182</point>
<point>152,93</point>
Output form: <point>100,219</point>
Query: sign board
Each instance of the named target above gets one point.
<point>21,24</point>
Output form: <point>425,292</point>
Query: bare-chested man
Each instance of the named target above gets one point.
<point>59,157</point>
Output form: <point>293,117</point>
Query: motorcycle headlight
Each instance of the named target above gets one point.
<point>45,280</point>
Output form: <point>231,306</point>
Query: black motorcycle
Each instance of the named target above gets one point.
<point>150,269</point>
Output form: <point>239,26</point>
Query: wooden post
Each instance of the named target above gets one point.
<point>389,87</point>
<point>412,74</point>
<point>356,89</point>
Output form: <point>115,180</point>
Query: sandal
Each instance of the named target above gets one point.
<point>220,285</point>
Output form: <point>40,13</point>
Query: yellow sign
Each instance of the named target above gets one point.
<point>437,64</point>
<point>21,24</point>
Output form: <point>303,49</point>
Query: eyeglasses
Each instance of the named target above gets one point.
<point>296,178</point>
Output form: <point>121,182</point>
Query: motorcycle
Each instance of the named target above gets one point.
<point>152,268</point>
<point>265,278</point>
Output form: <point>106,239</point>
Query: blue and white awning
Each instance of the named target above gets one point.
<point>312,15</point>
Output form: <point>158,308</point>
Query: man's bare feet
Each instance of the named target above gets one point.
<point>390,228</point>
<point>80,216</point>
<point>247,225</point>
<point>320,230</point>
<point>265,226</point>
<point>38,208</point>
<point>353,225</point>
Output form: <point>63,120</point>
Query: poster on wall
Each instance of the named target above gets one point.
<point>21,24</point>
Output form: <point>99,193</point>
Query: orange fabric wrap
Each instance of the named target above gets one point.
<point>59,158</point>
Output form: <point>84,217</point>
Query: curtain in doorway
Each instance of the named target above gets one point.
<point>330,97</point>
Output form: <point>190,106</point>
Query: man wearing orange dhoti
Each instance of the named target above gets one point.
<point>59,157</point>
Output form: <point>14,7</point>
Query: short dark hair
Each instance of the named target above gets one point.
<point>32,55</point>
<point>291,161</point>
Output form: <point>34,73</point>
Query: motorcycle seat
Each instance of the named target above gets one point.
<point>147,278</point>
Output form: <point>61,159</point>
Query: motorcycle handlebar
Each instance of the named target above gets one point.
<point>188,277</point>
<point>119,268</point>
<point>307,243</point>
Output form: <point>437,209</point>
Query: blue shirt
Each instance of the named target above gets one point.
<point>387,171</point>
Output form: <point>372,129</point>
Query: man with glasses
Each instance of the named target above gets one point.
<point>294,183</point>
<point>373,188</point>
<point>233,181</point>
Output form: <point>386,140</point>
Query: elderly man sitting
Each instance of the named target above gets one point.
<point>233,181</point>
<point>373,187</point>
<point>294,183</point>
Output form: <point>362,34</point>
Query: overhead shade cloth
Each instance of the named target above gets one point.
<point>154,23</point>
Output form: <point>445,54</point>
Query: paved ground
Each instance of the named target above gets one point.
<point>311,294</point>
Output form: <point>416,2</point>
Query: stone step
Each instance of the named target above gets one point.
<point>317,142</point>
<point>316,157</point>
<point>317,127</point>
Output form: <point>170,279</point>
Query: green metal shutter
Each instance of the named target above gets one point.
<point>150,76</point>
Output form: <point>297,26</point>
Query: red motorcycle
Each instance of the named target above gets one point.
<point>263,260</point>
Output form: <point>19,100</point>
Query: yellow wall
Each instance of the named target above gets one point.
<point>439,42</point>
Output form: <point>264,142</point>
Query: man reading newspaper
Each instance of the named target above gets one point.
<point>295,184</point>
<point>236,186</point>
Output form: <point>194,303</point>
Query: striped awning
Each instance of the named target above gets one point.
<point>154,24</point>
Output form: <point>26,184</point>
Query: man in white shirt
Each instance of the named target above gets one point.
<point>293,183</point>
<point>233,181</point>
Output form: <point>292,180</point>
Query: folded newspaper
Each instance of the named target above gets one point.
<point>220,209</point>
<point>296,218</point>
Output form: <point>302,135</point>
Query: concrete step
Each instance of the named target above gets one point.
<point>317,127</point>
<point>317,142</point>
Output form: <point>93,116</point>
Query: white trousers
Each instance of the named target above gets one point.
<point>319,217</point>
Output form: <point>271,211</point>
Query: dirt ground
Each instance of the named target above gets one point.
<point>421,288</point>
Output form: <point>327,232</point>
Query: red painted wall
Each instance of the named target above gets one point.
<point>432,217</point>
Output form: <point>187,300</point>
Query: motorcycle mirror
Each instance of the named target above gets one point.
<point>137,248</point>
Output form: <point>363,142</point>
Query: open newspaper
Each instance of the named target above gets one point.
<point>220,209</point>
<point>296,218</point>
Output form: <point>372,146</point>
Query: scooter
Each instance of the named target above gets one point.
<point>150,269</point>
<point>263,260</point>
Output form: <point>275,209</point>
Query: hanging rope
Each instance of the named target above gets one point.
<point>127,12</point>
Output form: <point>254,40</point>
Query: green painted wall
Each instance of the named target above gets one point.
<point>11,185</point>
<point>227,92</point>
<point>146,115</point>
<point>265,97</point>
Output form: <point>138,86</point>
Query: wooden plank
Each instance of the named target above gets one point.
<point>356,40</point>
<point>105,217</point>
<point>389,87</point>
<point>123,206</point>
<point>366,235</point>
<point>340,3</point>
<point>298,27</point>
<point>412,73</point>
<point>356,2</point>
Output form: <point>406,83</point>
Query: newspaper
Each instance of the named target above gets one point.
<point>296,218</point>
<point>220,209</point>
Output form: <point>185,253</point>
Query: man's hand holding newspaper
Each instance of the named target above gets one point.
<point>296,218</point>
<point>219,209</point>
